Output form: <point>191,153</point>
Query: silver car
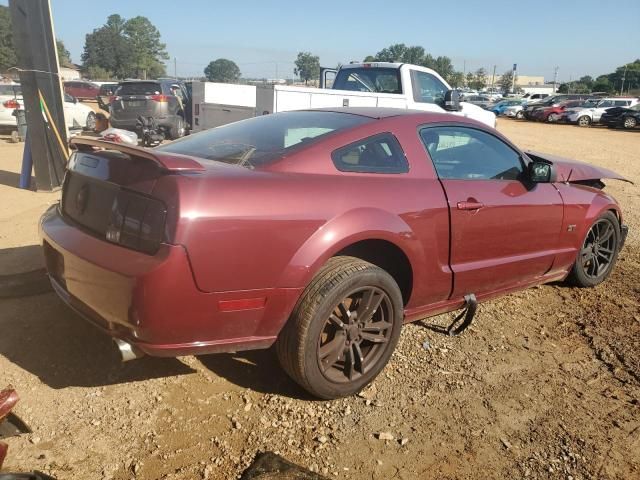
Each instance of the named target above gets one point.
<point>165,100</point>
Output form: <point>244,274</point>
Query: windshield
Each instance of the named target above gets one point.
<point>261,140</point>
<point>379,80</point>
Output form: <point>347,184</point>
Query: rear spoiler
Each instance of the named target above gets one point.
<point>170,162</point>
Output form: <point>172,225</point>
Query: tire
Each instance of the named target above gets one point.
<point>552,118</point>
<point>178,130</point>
<point>629,122</point>
<point>583,274</point>
<point>519,115</point>
<point>91,121</point>
<point>584,121</point>
<point>333,372</point>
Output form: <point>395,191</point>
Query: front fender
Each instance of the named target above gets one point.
<point>344,230</point>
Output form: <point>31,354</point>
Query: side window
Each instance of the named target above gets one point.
<point>463,153</point>
<point>621,103</point>
<point>378,154</point>
<point>427,88</point>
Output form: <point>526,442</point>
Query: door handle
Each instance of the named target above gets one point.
<point>470,205</point>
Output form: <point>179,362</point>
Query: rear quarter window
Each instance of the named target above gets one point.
<point>378,154</point>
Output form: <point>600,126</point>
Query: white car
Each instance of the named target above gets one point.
<point>10,99</point>
<point>76,115</point>
<point>587,115</point>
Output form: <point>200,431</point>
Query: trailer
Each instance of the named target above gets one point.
<point>216,104</point>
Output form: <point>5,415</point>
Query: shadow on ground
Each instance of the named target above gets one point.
<point>44,337</point>
<point>258,370</point>
<point>12,179</point>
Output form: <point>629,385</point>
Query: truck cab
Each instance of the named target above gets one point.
<point>421,87</point>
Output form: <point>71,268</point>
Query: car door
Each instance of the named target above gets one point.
<point>504,230</point>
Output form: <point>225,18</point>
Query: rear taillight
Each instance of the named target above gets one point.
<point>160,98</point>
<point>137,222</point>
<point>11,104</point>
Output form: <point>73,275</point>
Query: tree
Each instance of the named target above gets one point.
<point>469,79</point>
<point>64,57</point>
<point>98,73</point>
<point>223,71</point>
<point>307,66</point>
<point>126,48</point>
<point>507,81</point>
<point>369,59</point>
<point>479,79</point>
<point>456,80</point>
<point>7,51</point>
<point>602,84</point>
<point>416,55</point>
<point>146,49</point>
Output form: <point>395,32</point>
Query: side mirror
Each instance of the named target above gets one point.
<point>452,101</point>
<point>541,172</point>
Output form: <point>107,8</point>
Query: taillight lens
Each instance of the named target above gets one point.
<point>160,98</point>
<point>11,104</point>
<point>136,222</point>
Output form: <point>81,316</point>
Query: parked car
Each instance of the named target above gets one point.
<point>10,99</point>
<point>500,107</point>
<point>250,234</point>
<point>483,101</point>
<point>550,102</point>
<point>535,96</point>
<point>165,100</point>
<point>81,89</point>
<point>624,117</point>
<point>589,115</point>
<point>554,113</point>
<point>515,111</point>
<point>76,115</point>
<point>105,93</point>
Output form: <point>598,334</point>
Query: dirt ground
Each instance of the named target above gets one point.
<point>545,385</point>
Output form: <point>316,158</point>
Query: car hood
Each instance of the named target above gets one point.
<point>574,171</point>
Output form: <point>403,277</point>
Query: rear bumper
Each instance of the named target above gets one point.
<point>167,122</point>
<point>152,302</point>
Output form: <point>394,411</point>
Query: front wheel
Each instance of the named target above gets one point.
<point>629,122</point>
<point>343,330</point>
<point>553,117</point>
<point>598,253</point>
<point>178,130</point>
<point>520,115</point>
<point>584,121</point>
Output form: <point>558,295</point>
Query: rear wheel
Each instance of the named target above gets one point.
<point>91,121</point>
<point>629,122</point>
<point>343,330</point>
<point>584,121</point>
<point>553,117</point>
<point>178,130</point>
<point>520,115</point>
<point>598,253</point>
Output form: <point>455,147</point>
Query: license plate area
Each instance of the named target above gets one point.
<point>134,103</point>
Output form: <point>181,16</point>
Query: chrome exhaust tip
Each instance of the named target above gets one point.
<point>127,351</point>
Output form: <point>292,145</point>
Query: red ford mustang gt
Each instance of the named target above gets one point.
<point>321,231</point>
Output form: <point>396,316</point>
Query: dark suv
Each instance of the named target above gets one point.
<point>165,100</point>
<point>552,101</point>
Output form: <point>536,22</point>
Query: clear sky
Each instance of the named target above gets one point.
<point>581,37</point>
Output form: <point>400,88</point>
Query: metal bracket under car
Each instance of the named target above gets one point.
<point>462,321</point>
<point>470,307</point>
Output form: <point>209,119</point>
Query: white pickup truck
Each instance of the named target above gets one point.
<point>379,84</point>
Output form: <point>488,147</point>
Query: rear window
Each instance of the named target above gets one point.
<point>380,80</point>
<point>262,140</point>
<point>10,90</point>
<point>140,88</point>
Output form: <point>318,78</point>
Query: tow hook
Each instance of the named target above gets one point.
<point>470,307</point>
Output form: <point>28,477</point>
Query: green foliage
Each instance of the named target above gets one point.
<point>415,55</point>
<point>507,81</point>
<point>222,70</point>
<point>64,57</point>
<point>307,66</point>
<point>98,73</point>
<point>478,80</point>
<point>7,52</point>
<point>456,80</point>
<point>126,48</point>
